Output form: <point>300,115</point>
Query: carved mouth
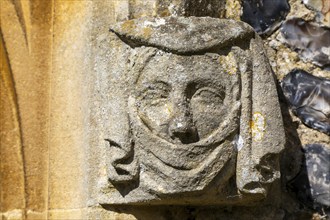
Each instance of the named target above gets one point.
<point>189,156</point>
<point>186,138</point>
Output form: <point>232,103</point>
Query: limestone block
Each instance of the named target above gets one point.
<point>15,214</point>
<point>182,120</point>
<point>66,214</point>
<point>67,142</point>
<point>26,32</point>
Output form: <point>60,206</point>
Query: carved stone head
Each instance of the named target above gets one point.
<point>203,121</point>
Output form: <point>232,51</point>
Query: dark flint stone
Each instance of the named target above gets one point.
<point>312,184</point>
<point>309,98</point>
<point>265,16</point>
<point>311,41</point>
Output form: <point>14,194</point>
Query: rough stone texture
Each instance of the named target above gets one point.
<point>182,36</point>
<point>323,9</point>
<point>283,60</point>
<point>164,8</point>
<point>186,142</point>
<point>51,107</point>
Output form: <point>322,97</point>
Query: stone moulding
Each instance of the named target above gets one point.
<point>199,121</point>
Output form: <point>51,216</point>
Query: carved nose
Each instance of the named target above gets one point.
<point>182,129</point>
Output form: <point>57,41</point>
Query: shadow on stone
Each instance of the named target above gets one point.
<point>292,161</point>
<point>311,185</point>
<point>125,188</point>
<point>198,212</point>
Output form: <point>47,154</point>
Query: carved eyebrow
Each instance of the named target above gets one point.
<point>153,86</point>
<point>216,91</point>
<point>201,83</point>
<point>157,85</point>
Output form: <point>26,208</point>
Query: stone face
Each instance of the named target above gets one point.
<point>190,109</point>
<point>182,132</point>
<point>61,69</point>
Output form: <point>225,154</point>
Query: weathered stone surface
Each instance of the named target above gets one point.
<point>164,8</point>
<point>60,58</point>
<point>183,35</point>
<point>181,95</point>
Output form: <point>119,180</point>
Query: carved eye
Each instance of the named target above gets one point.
<point>155,92</point>
<point>209,96</point>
